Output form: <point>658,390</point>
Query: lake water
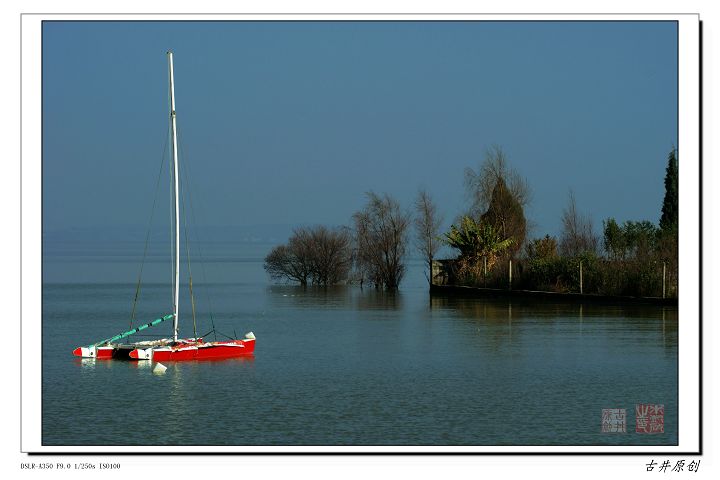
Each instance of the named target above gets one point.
<point>344,366</point>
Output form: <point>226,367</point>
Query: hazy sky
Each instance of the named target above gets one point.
<point>291,122</point>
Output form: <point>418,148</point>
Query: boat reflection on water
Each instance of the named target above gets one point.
<point>87,362</point>
<point>247,360</point>
<point>92,363</point>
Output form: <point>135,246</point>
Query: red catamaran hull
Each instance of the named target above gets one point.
<point>196,351</point>
<point>184,351</point>
<point>103,353</point>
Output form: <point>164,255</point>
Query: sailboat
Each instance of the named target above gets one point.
<point>175,348</point>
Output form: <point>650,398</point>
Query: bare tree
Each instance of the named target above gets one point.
<point>331,255</point>
<point>578,235</point>
<point>498,197</point>
<point>316,255</point>
<point>381,237</point>
<point>427,227</point>
<point>286,262</point>
<point>480,185</point>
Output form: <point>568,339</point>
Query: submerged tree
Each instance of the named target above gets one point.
<point>316,255</point>
<point>381,241</point>
<point>285,262</point>
<point>331,255</point>
<point>427,228</point>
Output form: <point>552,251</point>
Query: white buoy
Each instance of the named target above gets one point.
<point>159,368</point>
<point>250,336</point>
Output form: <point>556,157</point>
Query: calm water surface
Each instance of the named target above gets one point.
<point>344,366</point>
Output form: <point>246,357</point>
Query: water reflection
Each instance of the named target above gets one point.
<point>580,317</point>
<point>488,307</point>
<point>147,365</point>
<point>374,299</point>
<point>93,363</point>
<point>178,404</point>
<point>84,362</point>
<point>337,296</point>
<point>293,296</point>
<point>389,367</point>
<point>638,319</point>
<point>509,318</point>
<point>141,365</point>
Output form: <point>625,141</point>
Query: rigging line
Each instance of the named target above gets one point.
<point>187,248</point>
<point>226,336</point>
<point>147,234</point>
<point>198,244</point>
<point>208,333</point>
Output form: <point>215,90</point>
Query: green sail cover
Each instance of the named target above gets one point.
<point>134,330</point>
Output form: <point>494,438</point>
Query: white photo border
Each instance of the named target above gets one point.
<point>689,309</point>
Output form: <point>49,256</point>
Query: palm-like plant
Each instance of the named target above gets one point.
<point>476,240</point>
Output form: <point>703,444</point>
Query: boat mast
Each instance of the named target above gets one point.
<point>176,292</point>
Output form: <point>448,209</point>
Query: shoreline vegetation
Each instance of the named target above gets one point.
<point>633,261</point>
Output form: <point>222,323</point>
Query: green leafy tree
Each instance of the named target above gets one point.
<point>543,265</point>
<point>639,238</point>
<point>613,239</point>
<point>542,248</point>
